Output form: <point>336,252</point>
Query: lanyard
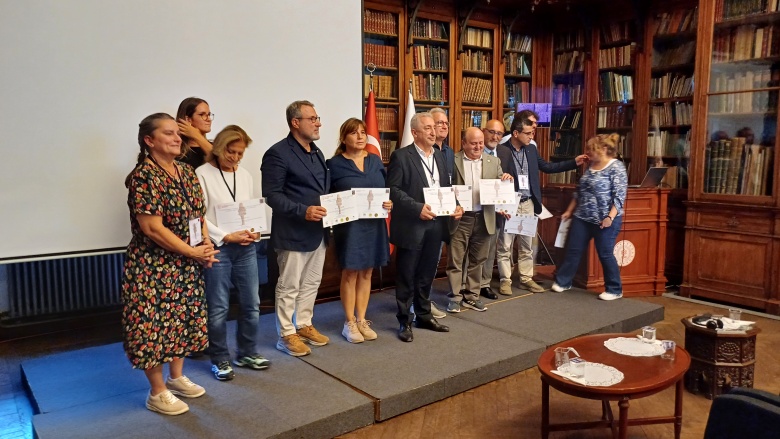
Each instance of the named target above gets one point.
<point>519,161</point>
<point>178,179</point>
<point>233,192</point>
<point>430,168</point>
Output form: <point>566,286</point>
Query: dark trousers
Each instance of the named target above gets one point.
<point>416,268</point>
<point>580,234</point>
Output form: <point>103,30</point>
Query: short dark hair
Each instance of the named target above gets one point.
<point>525,114</point>
<point>519,123</point>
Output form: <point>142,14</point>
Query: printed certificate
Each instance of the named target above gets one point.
<point>242,215</point>
<point>563,231</point>
<point>340,207</point>
<point>441,200</point>
<point>496,191</point>
<point>510,207</point>
<point>463,193</point>
<point>368,202</point>
<point>521,225</point>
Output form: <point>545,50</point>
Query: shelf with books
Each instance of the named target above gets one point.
<point>570,52</point>
<point>475,118</point>
<point>477,68</point>
<point>517,70</point>
<point>382,56</point>
<point>430,59</point>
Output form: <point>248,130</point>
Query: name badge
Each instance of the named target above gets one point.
<point>196,232</point>
<point>522,181</point>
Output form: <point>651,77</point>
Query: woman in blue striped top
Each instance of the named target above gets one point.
<point>597,210</point>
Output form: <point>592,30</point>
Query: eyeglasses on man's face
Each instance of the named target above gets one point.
<point>495,133</point>
<point>442,123</point>
<point>313,119</point>
<point>205,116</point>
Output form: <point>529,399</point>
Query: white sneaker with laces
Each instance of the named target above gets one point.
<point>558,289</point>
<point>166,403</point>
<point>352,333</point>
<point>182,386</point>
<point>608,296</point>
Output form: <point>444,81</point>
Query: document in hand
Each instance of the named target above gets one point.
<point>563,231</point>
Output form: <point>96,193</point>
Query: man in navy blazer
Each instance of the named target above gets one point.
<point>294,176</point>
<point>414,228</point>
<point>520,158</point>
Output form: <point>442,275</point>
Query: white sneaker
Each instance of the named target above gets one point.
<point>436,312</point>
<point>352,333</point>
<point>558,289</point>
<point>166,403</point>
<point>608,296</point>
<point>365,330</point>
<point>182,386</point>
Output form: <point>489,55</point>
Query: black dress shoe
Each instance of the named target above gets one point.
<point>432,324</point>
<point>405,332</point>
<point>487,292</point>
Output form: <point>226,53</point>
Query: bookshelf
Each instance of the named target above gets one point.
<point>477,66</point>
<point>430,61</point>
<point>517,72</point>
<point>671,93</point>
<point>382,53</point>
<point>733,207</point>
<point>570,50</point>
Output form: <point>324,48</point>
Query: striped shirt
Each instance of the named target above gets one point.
<point>599,190</point>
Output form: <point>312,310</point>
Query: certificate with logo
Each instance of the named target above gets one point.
<point>521,225</point>
<point>340,207</point>
<point>496,191</point>
<point>441,200</point>
<point>242,215</point>
<point>368,202</point>
<point>510,207</point>
<point>463,193</point>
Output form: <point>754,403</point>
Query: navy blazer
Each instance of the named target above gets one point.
<point>535,164</point>
<point>289,187</point>
<point>406,180</point>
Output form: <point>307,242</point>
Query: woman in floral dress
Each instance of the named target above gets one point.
<point>164,316</point>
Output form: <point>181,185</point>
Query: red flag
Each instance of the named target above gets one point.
<point>372,127</point>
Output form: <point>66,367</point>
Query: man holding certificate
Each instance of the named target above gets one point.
<point>414,228</point>
<point>470,234</point>
<point>520,158</point>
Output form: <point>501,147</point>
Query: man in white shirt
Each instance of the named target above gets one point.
<point>493,131</point>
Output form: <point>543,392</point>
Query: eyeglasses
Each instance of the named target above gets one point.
<point>495,133</point>
<point>442,123</point>
<point>529,133</point>
<point>206,116</point>
<point>313,119</point>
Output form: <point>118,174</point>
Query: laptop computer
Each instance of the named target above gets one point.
<point>652,178</point>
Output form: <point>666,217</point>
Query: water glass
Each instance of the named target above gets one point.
<point>735,314</point>
<point>577,367</point>
<point>648,334</point>
<point>669,348</point>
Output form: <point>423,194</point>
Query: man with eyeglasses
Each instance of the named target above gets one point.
<point>520,158</point>
<point>294,176</point>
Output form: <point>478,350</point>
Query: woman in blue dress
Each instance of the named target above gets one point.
<point>363,244</point>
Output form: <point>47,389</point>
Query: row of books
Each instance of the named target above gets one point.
<point>668,144</point>
<point>625,144</point>
<point>382,56</point>
<point>733,9</point>
<point>430,57</point>
<point>521,43</point>
<point>671,85</point>
<point>744,80</point>
<point>567,177</point>
<point>679,54</point>
<point>517,64</point>
<point>616,56</point>
<point>386,147</point>
<point>429,29</point>
<point>614,87</point>
<point>671,113</point>
<point>566,119</point>
<point>615,32</point>
<point>569,62</point>
<point>566,144</point>
<point>565,94</point>
<point>681,20</point>
<point>477,90</point>
<point>387,119</point>
<point>477,60</point>
<point>520,91</point>
<point>472,118</point>
<point>569,40</point>
<point>380,22</point>
<point>735,167</point>
<point>479,37</point>
<point>614,117</point>
<point>746,42</point>
<point>748,102</point>
<point>430,87</point>
<point>384,86</point>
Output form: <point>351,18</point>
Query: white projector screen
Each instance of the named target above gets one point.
<point>78,76</point>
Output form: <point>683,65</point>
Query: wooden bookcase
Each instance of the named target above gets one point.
<point>477,67</point>
<point>733,220</point>
<point>518,65</point>
<point>430,59</point>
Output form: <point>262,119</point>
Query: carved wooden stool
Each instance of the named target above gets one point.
<point>719,360</point>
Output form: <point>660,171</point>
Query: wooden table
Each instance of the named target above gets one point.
<point>643,376</point>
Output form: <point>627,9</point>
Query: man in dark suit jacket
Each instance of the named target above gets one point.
<point>414,228</point>
<point>294,176</point>
<point>520,158</point>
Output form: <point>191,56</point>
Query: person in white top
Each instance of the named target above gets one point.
<point>223,181</point>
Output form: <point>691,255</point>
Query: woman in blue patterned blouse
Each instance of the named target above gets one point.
<point>597,210</point>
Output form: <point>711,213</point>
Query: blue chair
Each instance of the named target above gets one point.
<point>744,413</point>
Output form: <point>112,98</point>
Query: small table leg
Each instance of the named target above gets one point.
<point>623,430</point>
<point>545,409</point>
<point>678,408</point>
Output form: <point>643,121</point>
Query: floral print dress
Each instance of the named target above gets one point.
<point>164,315</point>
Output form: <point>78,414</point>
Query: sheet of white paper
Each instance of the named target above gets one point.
<point>242,215</point>
<point>368,202</point>
<point>441,200</point>
<point>196,232</point>
<point>545,213</point>
<point>521,225</point>
<point>340,207</point>
<point>563,230</point>
<point>510,208</point>
<point>496,191</point>
<point>464,194</point>
<point>522,182</point>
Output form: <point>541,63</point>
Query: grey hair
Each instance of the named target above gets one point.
<point>294,110</point>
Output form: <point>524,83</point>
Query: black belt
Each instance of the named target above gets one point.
<point>524,199</point>
<point>477,213</point>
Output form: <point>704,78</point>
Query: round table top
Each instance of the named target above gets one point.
<point>642,375</point>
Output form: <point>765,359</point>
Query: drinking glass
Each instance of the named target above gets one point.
<point>648,334</point>
<point>669,348</point>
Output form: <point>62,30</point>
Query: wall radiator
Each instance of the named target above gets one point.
<point>62,286</point>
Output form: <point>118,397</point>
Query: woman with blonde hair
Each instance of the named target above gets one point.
<point>596,211</point>
<point>361,245</point>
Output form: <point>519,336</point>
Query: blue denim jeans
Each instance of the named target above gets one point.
<point>237,266</point>
<point>577,242</point>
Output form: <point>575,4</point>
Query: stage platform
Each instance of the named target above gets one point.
<point>93,393</point>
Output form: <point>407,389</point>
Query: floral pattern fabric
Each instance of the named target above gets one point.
<point>164,315</point>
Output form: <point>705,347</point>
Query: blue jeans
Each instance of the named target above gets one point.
<point>237,266</point>
<point>577,242</point>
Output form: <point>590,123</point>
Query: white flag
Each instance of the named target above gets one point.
<point>407,138</point>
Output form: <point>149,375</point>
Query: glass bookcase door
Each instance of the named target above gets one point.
<point>517,74</point>
<point>742,102</point>
<point>566,122</point>
<point>430,55</point>
<point>477,69</point>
